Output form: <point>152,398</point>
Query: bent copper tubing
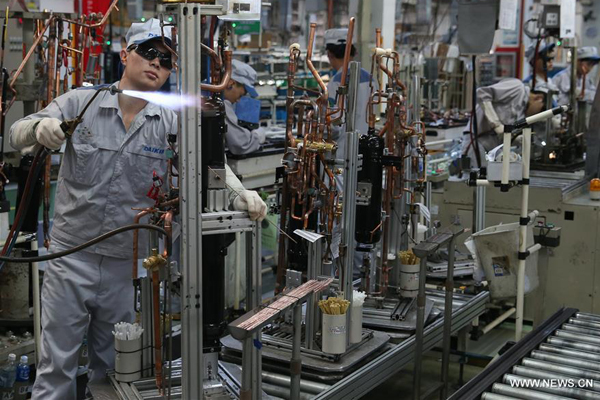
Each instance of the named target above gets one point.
<point>226,78</point>
<point>112,7</point>
<point>348,50</point>
<point>213,54</point>
<point>289,101</point>
<point>35,44</point>
<point>324,98</point>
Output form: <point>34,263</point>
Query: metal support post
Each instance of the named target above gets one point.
<point>147,324</point>
<point>191,202</point>
<point>35,283</point>
<point>421,301</point>
<point>479,193</point>
<point>253,300</point>
<point>312,308</point>
<point>246,389</point>
<point>350,178</point>
<point>296,361</point>
<point>448,319</point>
<point>428,202</point>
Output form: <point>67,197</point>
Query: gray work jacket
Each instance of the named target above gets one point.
<point>239,140</point>
<point>106,170</point>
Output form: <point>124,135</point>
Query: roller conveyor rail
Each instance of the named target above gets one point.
<point>563,349</point>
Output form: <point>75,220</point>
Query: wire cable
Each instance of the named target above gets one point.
<point>89,243</point>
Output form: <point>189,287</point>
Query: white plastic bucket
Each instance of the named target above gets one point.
<point>334,334</point>
<point>128,360</point>
<point>356,324</point>
<point>409,280</point>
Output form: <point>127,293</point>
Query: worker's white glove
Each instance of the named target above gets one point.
<point>249,200</point>
<point>261,132</point>
<point>492,117</point>
<point>49,134</point>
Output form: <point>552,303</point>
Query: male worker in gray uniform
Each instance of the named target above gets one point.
<point>502,103</point>
<point>335,45</point>
<point>107,170</point>
<point>241,140</point>
<point>587,58</point>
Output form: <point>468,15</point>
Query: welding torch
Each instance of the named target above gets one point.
<point>69,126</point>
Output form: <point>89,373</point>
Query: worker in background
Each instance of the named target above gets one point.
<point>592,140</point>
<point>335,45</point>
<point>106,172</point>
<point>502,103</point>
<point>587,58</point>
<point>544,62</point>
<point>239,139</point>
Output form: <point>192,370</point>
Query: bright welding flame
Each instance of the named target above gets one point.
<point>173,101</point>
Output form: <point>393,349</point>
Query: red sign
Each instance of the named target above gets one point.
<point>90,6</point>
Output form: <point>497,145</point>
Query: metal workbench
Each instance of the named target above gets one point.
<point>368,375</point>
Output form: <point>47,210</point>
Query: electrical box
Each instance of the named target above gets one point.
<point>551,17</point>
<point>240,10</point>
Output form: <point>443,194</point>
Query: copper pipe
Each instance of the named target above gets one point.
<point>324,99</point>
<point>112,7</point>
<point>157,338</point>
<point>341,97</point>
<point>168,225</point>
<point>582,94</point>
<point>169,203</point>
<point>216,64</point>
<point>136,220</point>
<point>226,78</point>
<point>213,55</point>
<point>69,48</point>
<point>35,44</point>
<point>300,124</point>
<point>292,210</point>
<point>50,62</point>
<point>305,89</point>
<point>290,99</point>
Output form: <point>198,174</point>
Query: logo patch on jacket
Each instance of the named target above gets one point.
<point>84,132</point>
<point>155,150</point>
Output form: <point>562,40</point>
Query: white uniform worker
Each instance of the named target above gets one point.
<point>241,140</point>
<point>335,44</point>
<point>587,58</point>
<point>107,170</point>
<point>502,103</point>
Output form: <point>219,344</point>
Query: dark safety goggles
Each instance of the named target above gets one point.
<point>150,53</point>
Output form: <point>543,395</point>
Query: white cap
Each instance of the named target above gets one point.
<point>588,53</point>
<point>12,357</point>
<point>139,33</point>
<point>244,74</point>
<point>545,50</point>
<point>336,36</point>
<point>24,359</point>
